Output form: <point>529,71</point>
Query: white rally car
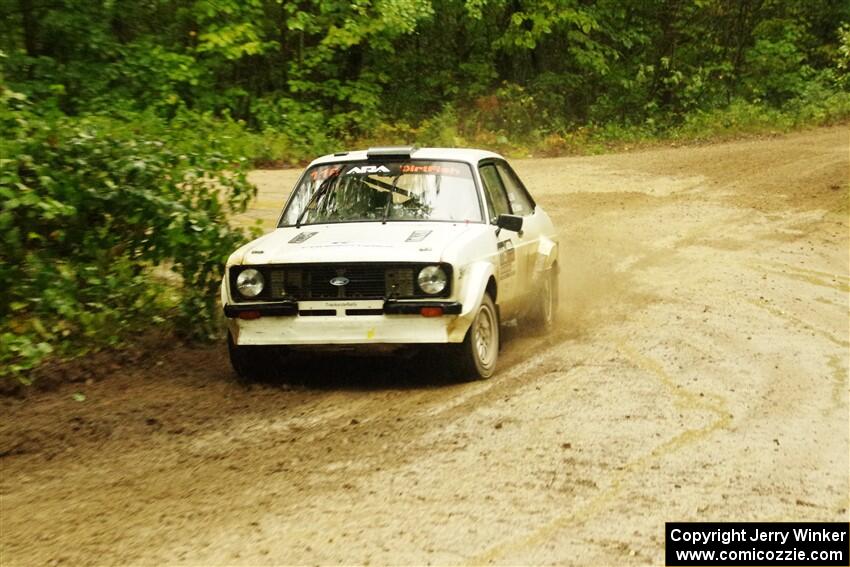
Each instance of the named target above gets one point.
<point>395,246</point>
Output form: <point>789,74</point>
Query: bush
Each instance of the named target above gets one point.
<point>108,229</point>
<point>512,112</point>
<point>304,126</point>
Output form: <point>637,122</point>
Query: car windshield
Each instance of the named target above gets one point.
<point>384,191</point>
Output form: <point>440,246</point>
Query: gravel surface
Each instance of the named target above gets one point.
<point>699,372</point>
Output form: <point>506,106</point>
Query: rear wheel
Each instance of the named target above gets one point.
<point>253,363</point>
<point>476,356</point>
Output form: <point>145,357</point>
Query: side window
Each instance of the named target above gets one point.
<point>521,203</point>
<point>497,200</point>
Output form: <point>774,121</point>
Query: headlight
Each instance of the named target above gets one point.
<point>432,280</point>
<point>250,282</point>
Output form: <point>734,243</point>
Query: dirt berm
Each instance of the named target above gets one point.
<point>700,372</point>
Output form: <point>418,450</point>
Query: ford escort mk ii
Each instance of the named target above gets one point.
<point>392,247</point>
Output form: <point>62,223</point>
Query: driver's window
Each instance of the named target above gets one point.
<point>521,203</point>
<point>497,199</point>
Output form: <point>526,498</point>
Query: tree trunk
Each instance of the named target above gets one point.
<point>29,21</point>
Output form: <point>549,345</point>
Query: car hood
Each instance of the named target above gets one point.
<point>354,242</point>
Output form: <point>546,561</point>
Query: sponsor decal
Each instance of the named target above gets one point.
<point>322,173</point>
<point>452,170</point>
<point>360,170</point>
<point>339,281</point>
<point>507,258</point>
<point>432,168</point>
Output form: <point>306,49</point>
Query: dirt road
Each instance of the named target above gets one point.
<point>700,372</point>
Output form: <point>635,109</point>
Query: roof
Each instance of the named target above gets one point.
<point>469,155</point>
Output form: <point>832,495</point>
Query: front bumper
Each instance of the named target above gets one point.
<point>291,308</point>
<point>345,323</point>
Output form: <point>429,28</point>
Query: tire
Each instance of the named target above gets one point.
<point>544,312</point>
<point>475,358</point>
<point>252,363</point>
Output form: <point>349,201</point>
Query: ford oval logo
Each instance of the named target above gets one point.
<point>339,281</point>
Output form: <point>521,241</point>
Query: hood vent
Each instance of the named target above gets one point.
<point>418,235</point>
<point>301,237</point>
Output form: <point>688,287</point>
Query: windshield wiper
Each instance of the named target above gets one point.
<point>389,201</point>
<point>314,197</point>
<point>378,184</point>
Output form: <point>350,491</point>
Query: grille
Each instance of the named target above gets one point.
<point>365,281</point>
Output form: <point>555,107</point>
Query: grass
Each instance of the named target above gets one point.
<point>739,120</point>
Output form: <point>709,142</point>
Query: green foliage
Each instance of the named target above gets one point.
<point>106,230</point>
<point>842,58</point>
<point>320,73</point>
<point>776,69</point>
<point>304,124</point>
<point>149,76</point>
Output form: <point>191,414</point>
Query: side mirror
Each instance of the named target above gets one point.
<point>509,222</point>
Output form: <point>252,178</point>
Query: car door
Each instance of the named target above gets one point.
<point>521,204</point>
<point>506,240</point>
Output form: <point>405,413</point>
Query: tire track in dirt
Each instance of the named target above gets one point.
<point>798,322</point>
<point>685,399</point>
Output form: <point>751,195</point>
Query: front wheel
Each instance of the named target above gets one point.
<point>252,363</point>
<point>476,356</point>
